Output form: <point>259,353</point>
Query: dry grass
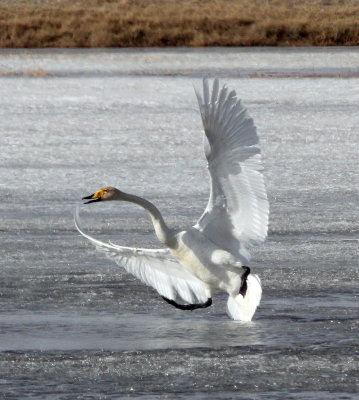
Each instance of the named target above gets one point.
<point>134,23</point>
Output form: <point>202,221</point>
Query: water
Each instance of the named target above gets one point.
<point>73,325</point>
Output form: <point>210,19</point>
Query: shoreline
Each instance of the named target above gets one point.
<point>160,23</point>
<point>276,62</point>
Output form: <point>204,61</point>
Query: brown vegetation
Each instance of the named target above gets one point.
<point>129,23</point>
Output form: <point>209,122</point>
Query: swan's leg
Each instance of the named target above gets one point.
<point>243,288</point>
<point>190,307</point>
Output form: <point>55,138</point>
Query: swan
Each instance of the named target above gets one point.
<point>213,254</point>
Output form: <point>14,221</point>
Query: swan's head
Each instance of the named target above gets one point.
<point>105,194</point>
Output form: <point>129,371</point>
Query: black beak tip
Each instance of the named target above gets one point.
<point>92,200</point>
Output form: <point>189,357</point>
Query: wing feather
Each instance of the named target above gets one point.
<point>236,216</point>
<point>154,267</point>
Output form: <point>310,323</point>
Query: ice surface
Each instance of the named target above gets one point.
<point>72,324</point>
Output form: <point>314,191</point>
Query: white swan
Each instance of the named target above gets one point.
<point>211,255</point>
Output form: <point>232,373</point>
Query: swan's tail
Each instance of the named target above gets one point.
<point>243,308</point>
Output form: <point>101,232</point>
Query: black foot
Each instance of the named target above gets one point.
<point>189,307</point>
<point>243,288</point>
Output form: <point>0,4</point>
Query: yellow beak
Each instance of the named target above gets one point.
<point>96,197</point>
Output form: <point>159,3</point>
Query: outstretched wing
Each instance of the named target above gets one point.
<point>236,216</point>
<point>156,268</point>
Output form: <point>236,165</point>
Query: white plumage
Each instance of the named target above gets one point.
<point>154,267</point>
<point>209,256</point>
<point>236,216</point>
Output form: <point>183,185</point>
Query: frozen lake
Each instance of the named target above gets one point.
<point>73,325</point>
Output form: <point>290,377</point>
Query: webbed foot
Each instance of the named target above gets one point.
<point>243,288</point>
<point>189,307</point>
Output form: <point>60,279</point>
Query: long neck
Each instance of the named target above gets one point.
<point>161,229</point>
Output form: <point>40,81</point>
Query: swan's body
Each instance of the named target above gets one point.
<point>210,255</point>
